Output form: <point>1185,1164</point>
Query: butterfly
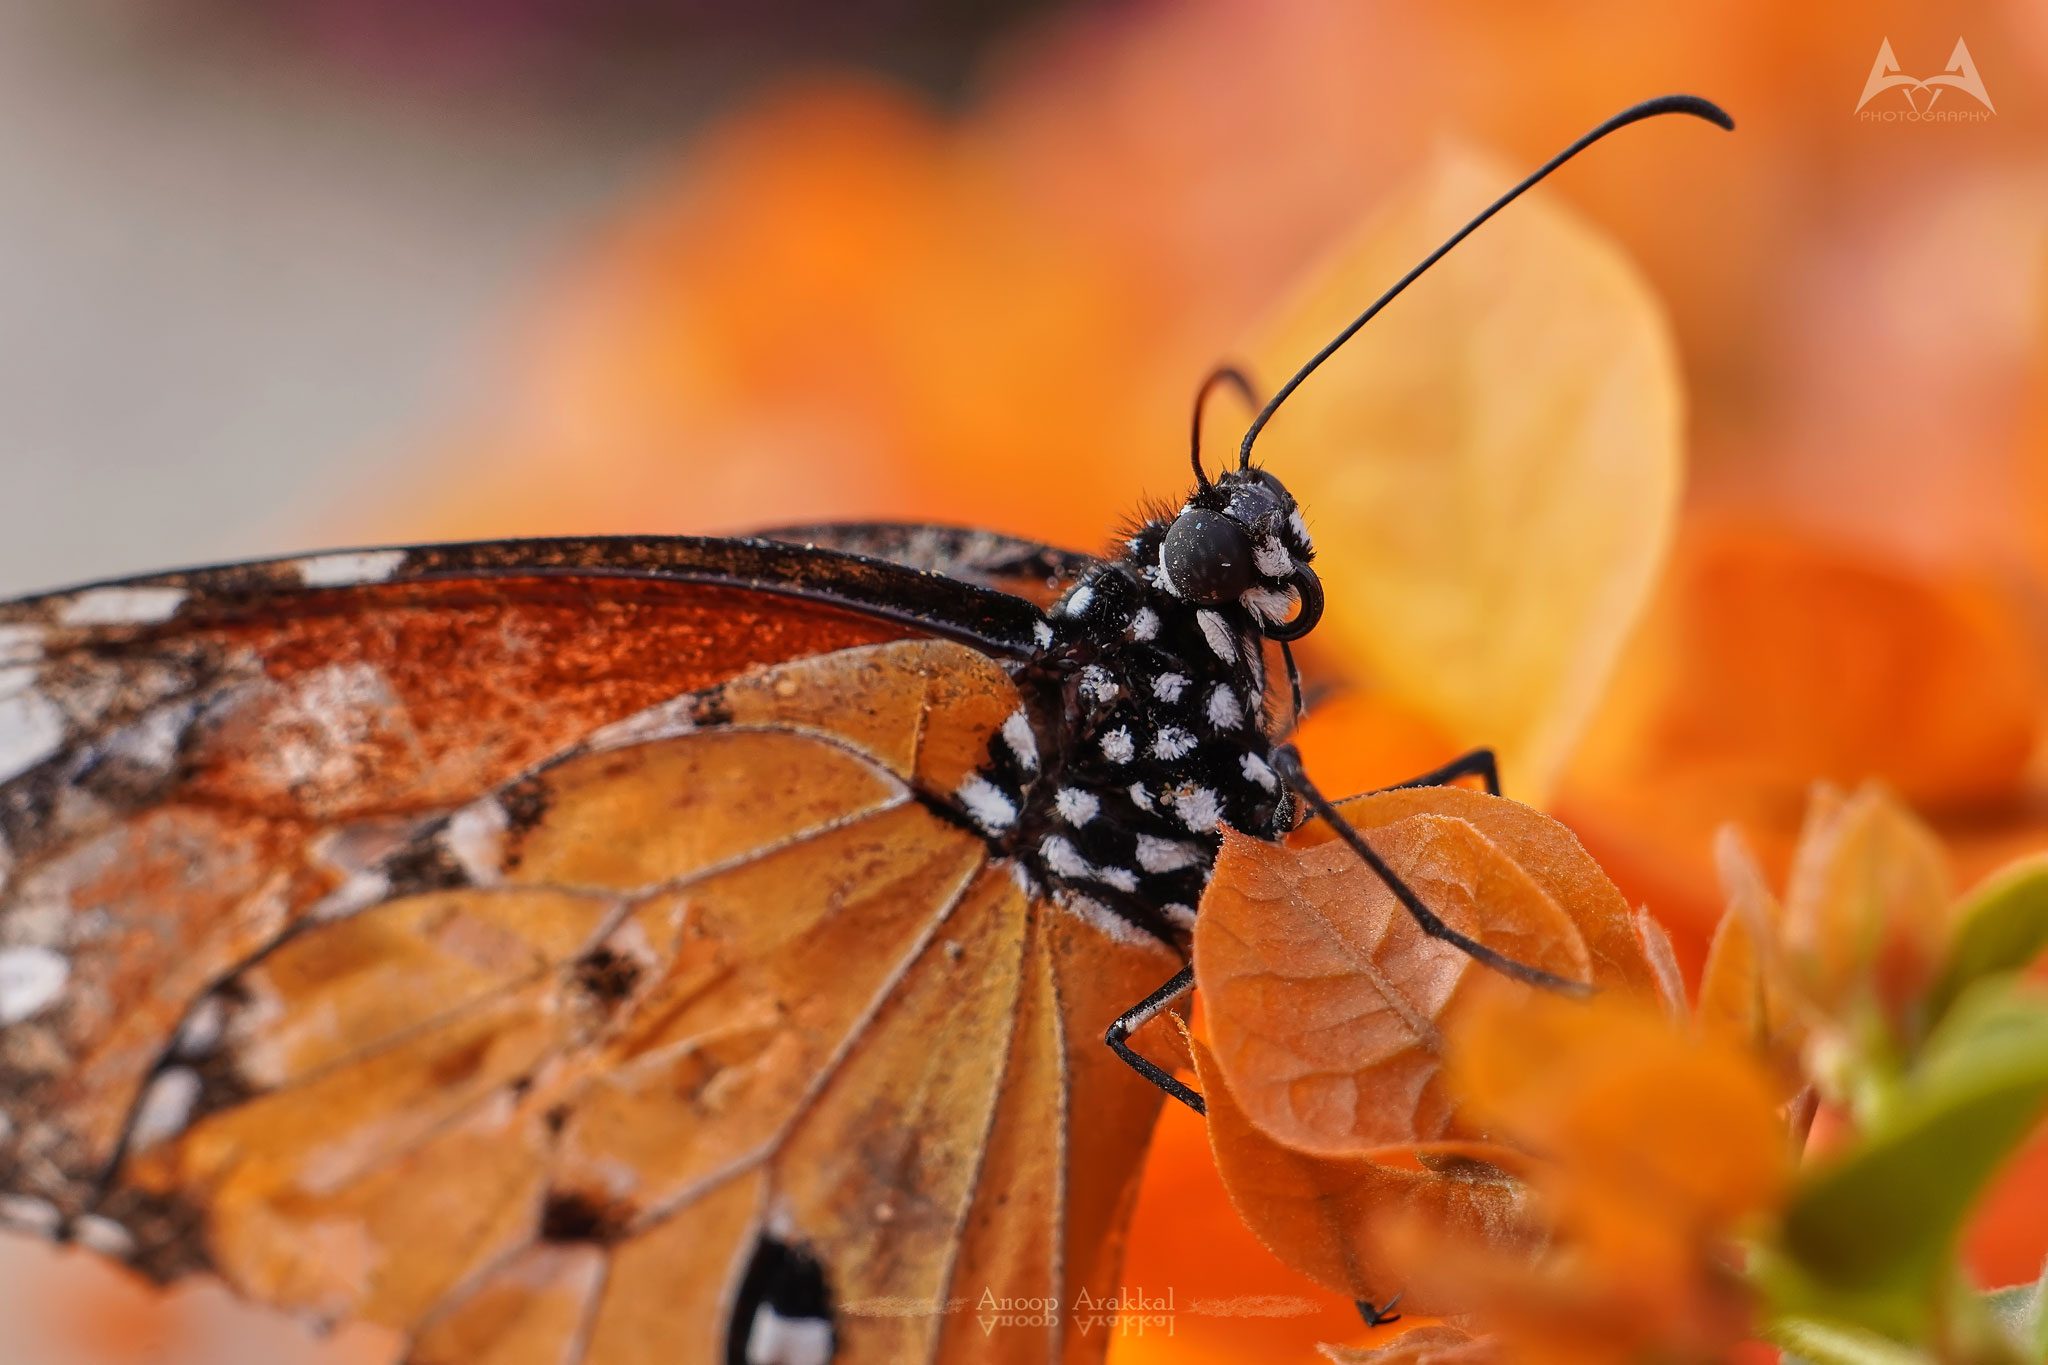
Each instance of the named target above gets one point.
<point>666,949</point>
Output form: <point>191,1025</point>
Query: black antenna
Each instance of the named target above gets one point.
<point>1663,104</point>
<point>1222,374</point>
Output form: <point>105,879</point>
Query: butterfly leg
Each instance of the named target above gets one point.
<point>1480,763</point>
<point>1287,762</point>
<point>1136,1017</point>
<point>1381,1316</point>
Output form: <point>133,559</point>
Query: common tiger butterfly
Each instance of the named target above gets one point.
<point>611,950</point>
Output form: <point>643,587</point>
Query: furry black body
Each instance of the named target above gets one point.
<point>1162,731</point>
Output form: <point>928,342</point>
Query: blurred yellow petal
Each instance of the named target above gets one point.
<point>1491,466</point>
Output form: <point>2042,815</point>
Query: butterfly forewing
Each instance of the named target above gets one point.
<point>428,955</point>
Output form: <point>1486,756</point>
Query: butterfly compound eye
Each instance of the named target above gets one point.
<point>1207,556</point>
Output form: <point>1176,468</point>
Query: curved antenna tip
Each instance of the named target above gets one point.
<point>1696,105</point>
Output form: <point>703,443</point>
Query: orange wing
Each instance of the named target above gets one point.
<point>543,1075</point>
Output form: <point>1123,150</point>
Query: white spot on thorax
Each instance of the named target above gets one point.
<point>31,980</point>
<point>776,1340</point>
<point>1075,806</point>
<point>1145,625</point>
<point>1102,918</point>
<point>31,725</point>
<point>166,1107</point>
<point>1217,632</point>
<point>1062,858</point>
<point>1271,559</point>
<point>1171,743</point>
<point>121,606</point>
<point>1023,743</point>
<point>1167,687</point>
<point>1118,746</point>
<point>475,837</point>
<point>1268,603</point>
<point>1097,685</point>
<point>1140,796</point>
<point>1224,711</point>
<point>1122,878</point>
<point>1041,631</point>
<point>1166,855</point>
<point>1198,808</point>
<point>987,804</point>
<point>348,570</point>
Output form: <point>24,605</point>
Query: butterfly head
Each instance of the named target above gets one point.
<point>1241,538</point>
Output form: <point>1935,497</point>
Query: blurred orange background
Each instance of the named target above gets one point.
<point>521,275</point>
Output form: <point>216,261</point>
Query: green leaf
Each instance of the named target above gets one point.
<point>1819,1341</point>
<point>1870,1238</point>
<point>2001,927</point>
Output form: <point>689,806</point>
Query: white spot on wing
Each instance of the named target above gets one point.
<point>1079,600</point>
<point>1167,687</point>
<point>121,606</point>
<point>986,803</point>
<point>1180,916</point>
<point>20,642</point>
<point>1172,743</point>
<point>1145,625</point>
<point>201,1031</point>
<point>1258,770</point>
<point>31,980</point>
<point>666,720</point>
<point>1225,713</point>
<point>29,1214</point>
<point>166,1107</point>
<point>31,725</point>
<point>776,1340</point>
<point>359,892</point>
<point>475,837</point>
<point>1041,631</point>
<point>1300,528</point>
<point>103,1235</point>
<point>348,570</point>
<point>1217,632</point>
<point>1118,746</point>
<point>1024,744</point>
<point>1075,806</point>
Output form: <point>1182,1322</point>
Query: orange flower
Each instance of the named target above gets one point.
<point>1657,1148</point>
